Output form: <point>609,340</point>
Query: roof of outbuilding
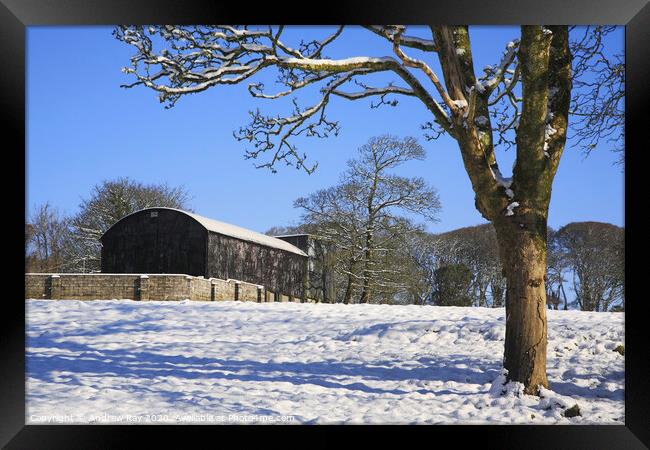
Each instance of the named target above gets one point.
<point>233,231</point>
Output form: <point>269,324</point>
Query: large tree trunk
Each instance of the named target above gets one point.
<point>523,257</point>
<point>518,209</point>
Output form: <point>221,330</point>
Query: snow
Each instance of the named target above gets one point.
<point>500,179</point>
<point>510,208</point>
<point>505,183</point>
<point>319,63</point>
<point>242,362</point>
<point>548,132</point>
<point>497,74</point>
<point>460,103</point>
<point>417,40</point>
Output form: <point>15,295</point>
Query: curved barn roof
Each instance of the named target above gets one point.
<point>231,230</point>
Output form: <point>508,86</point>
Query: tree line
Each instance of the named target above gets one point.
<point>462,268</point>
<point>376,252</point>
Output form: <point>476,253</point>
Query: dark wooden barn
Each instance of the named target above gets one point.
<point>166,240</point>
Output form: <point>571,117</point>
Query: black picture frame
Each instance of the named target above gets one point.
<point>16,15</point>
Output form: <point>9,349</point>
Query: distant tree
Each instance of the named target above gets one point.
<point>364,212</point>
<point>45,240</point>
<point>108,202</point>
<point>452,285</point>
<point>282,230</point>
<point>498,290</point>
<point>386,195</point>
<point>557,265</point>
<point>476,247</point>
<point>334,214</point>
<point>29,232</point>
<point>392,272</point>
<point>594,253</point>
<point>421,262</point>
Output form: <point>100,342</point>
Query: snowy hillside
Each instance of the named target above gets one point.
<point>225,362</point>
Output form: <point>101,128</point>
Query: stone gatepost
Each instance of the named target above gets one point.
<point>213,290</point>
<point>55,287</point>
<point>259,294</point>
<point>237,290</point>
<point>143,288</point>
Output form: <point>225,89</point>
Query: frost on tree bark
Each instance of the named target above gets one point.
<point>462,105</point>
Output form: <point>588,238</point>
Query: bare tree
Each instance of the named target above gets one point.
<point>528,93</point>
<point>283,230</point>
<point>594,253</point>
<point>557,265</point>
<point>422,261</point>
<point>336,218</point>
<point>364,212</point>
<point>45,240</point>
<point>385,196</point>
<point>477,248</point>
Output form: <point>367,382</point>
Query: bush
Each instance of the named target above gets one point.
<point>452,284</point>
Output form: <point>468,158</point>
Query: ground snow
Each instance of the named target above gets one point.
<point>180,362</point>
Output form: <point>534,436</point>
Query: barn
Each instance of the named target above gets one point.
<point>167,240</point>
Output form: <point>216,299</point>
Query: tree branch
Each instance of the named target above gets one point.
<point>426,45</point>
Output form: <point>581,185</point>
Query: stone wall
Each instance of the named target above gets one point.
<point>37,285</point>
<point>106,286</point>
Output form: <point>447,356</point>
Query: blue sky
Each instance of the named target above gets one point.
<point>83,128</point>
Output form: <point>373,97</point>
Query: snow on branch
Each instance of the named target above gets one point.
<point>493,76</point>
<point>383,92</point>
<point>415,63</point>
<point>388,33</point>
<point>176,61</point>
<point>503,182</point>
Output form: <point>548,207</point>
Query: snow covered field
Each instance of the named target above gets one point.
<point>235,362</point>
